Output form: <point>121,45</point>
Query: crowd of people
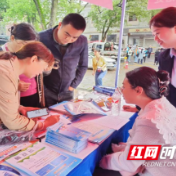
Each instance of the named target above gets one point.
<point>46,67</point>
<point>139,54</point>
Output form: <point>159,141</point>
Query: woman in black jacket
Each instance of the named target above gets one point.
<point>163,27</point>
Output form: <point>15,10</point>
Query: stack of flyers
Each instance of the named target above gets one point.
<point>67,137</point>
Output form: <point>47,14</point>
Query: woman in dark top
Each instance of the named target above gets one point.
<point>163,27</point>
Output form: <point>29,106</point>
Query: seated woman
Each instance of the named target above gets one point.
<point>156,123</point>
<point>31,60</point>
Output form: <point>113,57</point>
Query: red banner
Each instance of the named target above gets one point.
<point>102,3</point>
<point>160,4</point>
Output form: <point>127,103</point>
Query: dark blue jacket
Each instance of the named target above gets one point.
<point>150,50</point>
<point>73,64</point>
<point>166,63</point>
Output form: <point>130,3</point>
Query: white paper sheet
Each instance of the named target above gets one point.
<point>98,132</point>
<point>114,122</point>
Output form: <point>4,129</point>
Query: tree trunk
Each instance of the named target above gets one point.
<point>104,34</point>
<point>40,13</point>
<point>53,13</point>
<point>103,31</point>
<point>103,37</point>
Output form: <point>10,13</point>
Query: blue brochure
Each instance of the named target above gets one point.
<point>41,160</point>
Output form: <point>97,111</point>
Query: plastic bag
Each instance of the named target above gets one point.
<point>11,136</point>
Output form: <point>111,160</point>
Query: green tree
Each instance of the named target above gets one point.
<point>104,19</point>
<point>21,10</point>
<point>40,13</point>
<point>58,10</point>
<point>3,6</point>
<point>53,13</point>
<point>69,6</point>
<point>139,8</point>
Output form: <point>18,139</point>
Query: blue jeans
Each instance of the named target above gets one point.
<point>129,58</point>
<point>135,58</point>
<point>98,77</point>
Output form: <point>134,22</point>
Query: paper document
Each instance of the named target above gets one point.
<point>41,160</point>
<point>7,150</point>
<point>114,122</point>
<point>98,133</point>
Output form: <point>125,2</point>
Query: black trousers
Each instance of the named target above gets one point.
<point>140,60</point>
<point>156,61</point>
<point>52,98</point>
<point>144,58</point>
<point>104,172</point>
<point>149,55</point>
<point>30,101</point>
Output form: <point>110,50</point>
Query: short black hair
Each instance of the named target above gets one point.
<point>155,84</point>
<point>24,31</point>
<point>76,20</point>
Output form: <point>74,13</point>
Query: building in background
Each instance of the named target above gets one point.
<point>138,32</point>
<point>93,35</point>
<point>135,32</point>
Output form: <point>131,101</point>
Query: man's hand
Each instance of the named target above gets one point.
<point>93,73</point>
<point>23,110</point>
<point>23,86</point>
<point>71,89</point>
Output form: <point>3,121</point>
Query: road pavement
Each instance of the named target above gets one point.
<point>109,80</point>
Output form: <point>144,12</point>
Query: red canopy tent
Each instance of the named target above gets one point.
<point>103,3</point>
<point>160,4</point>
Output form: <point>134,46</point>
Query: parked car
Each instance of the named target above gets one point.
<point>105,48</point>
<point>3,39</point>
<point>110,63</point>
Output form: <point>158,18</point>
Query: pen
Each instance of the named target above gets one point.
<point>40,138</point>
